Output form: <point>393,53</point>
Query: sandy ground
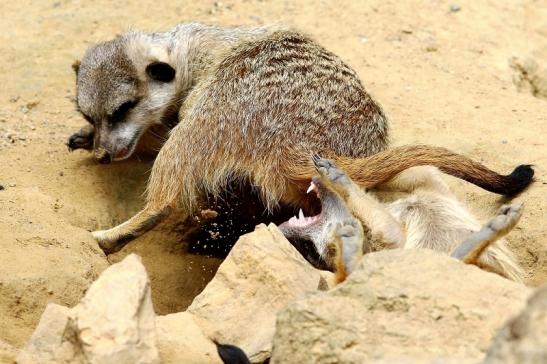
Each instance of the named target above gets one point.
<point>442,76</point>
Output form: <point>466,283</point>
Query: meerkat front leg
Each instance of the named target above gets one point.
<point>362,205</point>
<point>471,249</point>
<point>82,139</point>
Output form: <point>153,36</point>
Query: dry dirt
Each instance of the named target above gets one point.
<point>442,75</point>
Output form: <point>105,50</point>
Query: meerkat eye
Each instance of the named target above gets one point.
<point>160,71</point>
<point>121,112</point>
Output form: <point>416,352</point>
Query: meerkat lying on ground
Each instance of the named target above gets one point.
<point>354,222</point>
<point>244,104</point>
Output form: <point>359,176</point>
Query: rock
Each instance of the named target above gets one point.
<point>400,305</point>
<point>524,338</point>
<point>46,345</point>
<point>530,73</point>
<point>7,353</point>
<point>181,340</point>
<point>260,276</point>
<point>114,323</point>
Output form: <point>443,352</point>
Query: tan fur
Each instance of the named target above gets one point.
<point>340,272</point>
<point>429,217</point>
<point>253,105</point>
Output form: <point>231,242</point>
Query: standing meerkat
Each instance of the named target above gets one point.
<point>248,104</point>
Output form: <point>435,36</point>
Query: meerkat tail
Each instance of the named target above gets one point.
<point>381,167</point>
<point>472,248</point>
<point>114,239</point>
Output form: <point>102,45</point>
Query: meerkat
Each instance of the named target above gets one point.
<point>245,104</point>
<point>354,222</point>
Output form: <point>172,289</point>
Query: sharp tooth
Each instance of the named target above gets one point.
<point>310,188</point>
<point>300,214</point>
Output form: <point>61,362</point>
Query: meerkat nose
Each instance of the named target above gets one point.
<point>103,156</point>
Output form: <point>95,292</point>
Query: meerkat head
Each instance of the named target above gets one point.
<point>318,228</point>
<point>123,87</point>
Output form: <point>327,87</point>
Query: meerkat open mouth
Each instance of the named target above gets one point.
<point>301,221</point>
<point>315,227</point>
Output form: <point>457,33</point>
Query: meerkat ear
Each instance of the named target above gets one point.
<point>160,71</point>
<point>76,66</point>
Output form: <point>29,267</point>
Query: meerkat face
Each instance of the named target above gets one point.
<point>318,228</point>
<point>123,88</point>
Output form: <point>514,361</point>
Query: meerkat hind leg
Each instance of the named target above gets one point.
<point>114,239</point>
<point>470,250</point>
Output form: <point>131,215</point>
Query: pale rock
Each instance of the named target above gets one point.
<point>530,72</point>
<point>523,339</point>
<point>114,323</point>
<point>399,306</point>
<point>48,343</point>
<point>180,340</point>
<point>260,276</point>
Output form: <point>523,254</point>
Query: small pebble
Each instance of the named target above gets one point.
<point>2,188</point>
<point>504,141</point>
<point>12,185</point>
<point>61,173</point>
<point>455,8</point>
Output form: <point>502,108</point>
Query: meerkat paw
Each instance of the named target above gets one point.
<point>83,139</point>
<point>329,172</point>
<point>350,234</point>
<point>107,242</point>
<point>508,216</point>
<point>470,250</point>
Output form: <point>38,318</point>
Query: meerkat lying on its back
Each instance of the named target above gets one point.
<point>248,104</point>
<point>353,222</point>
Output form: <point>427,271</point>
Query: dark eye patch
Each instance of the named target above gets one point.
<point>87,117</point>
<point>121,112</point>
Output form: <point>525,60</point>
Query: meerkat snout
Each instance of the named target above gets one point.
<point>102,156</point>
